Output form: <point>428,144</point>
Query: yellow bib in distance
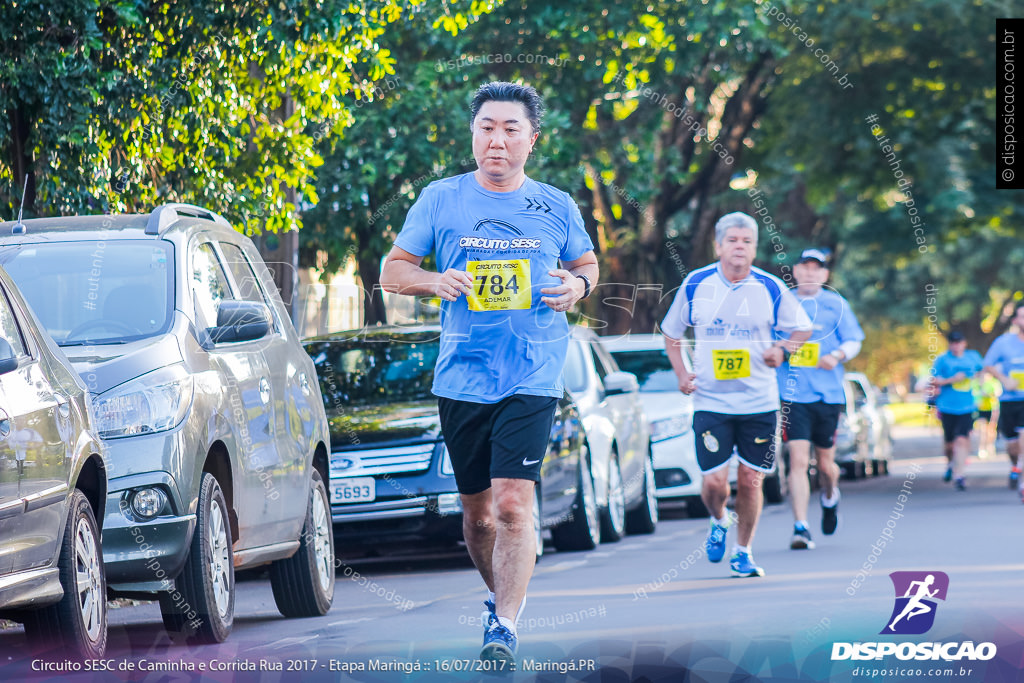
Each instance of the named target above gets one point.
<point>962,385</point>
<point>807,356</point>
<point>731,363</point>
<point>500,285</point>
<point>1019,376</point>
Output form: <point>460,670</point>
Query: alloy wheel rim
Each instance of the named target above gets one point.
<point>652,498</point>
<point>616,498</point>
<point>321,542</point>
<point>89,580</point>
<point>220,565</point>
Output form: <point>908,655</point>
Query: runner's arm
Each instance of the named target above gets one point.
<point>402,275</point>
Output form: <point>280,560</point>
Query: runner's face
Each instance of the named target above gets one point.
<point>810,273</point>
<point>958,347</point>
<point>502,139</point>
<point>737,248</point>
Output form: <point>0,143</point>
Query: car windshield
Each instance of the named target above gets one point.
<point>651,367</point>
<point>374,373</point>
<point>95,292</point>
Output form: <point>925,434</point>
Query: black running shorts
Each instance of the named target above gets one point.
<point>956,425</point>
<point>507,439</point>
<point>814,422</point>
<point>717,433</point>
<point>1011,418</point>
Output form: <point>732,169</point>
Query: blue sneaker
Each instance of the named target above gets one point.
<point>742,564</point>
<point>715,545</point>
<point>948,476</point>
<point>500,645</point>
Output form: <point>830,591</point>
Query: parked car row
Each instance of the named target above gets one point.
<point>182,436</point>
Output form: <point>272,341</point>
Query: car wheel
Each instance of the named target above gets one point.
<point>538,527</point>
<point>613,517</point>
<point>303,584</point>
<point>202,608</point>
<point>77,625</point>
<point>644,519</point>
<point>582,530</point>
<point>695,507</point>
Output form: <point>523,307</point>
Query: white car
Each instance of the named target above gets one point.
<point>618,437</point>
<point>670,413</point>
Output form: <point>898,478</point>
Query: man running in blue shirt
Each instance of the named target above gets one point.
<point>811,384</point>
<point>1005,360</point>
<point>735,311</point>
<point>953,373</point>
<point>498,237</point>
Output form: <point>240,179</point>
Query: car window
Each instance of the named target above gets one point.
<point>859,398</point>
<point>101,292</point>
<point>575,373</point>
<point>209,284</point>
<point>247,283</point>
<point>9,326</point>
<point>361,374</point>
<point>651,366</point>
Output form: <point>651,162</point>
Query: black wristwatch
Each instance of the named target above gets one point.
<point>785,352</point>
<point>586,281</point>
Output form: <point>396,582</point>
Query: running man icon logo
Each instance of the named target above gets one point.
<point>916,595</point>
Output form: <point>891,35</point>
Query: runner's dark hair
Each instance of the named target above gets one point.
<point>503,91</point>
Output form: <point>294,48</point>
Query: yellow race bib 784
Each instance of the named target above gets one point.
<point>500,285</point>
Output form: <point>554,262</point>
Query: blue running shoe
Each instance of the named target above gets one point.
<point>500,645</point>
<point>715,545</point>
<point>742,564</point>
<point>1014,477</point>
<point>948,476</point>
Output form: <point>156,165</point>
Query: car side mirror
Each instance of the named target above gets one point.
<point>620,383</point>
<point>240,321</point>
<point>8,361</point>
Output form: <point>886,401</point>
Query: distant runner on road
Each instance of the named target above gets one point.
<point>813,397</point>
<point>953,374</point>
<point>735,311</point>
<point>1005,360</point>
<point>498,237</point>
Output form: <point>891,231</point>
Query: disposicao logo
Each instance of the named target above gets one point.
<point>917,596</point>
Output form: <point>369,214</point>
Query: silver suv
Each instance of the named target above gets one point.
<point>208,406</point>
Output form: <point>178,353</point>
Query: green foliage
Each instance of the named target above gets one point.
<point>118,105</point>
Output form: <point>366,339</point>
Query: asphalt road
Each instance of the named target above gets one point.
<point>646,608</point>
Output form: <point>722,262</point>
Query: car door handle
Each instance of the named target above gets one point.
<point>63,407</point>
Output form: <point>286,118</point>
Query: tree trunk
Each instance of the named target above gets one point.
<point>374,310</point>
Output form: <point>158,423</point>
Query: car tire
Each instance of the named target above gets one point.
<point>303,584</point>
<point>613,516</point>
<point>204,610</point>
<point>644,518</point>
<point>582,530</point>
<point>696,508</point>
<point>538,526</point>
<point>77,625</point>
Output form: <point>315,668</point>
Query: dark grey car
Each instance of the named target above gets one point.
<point>52,491</point>
<point>210,410</point>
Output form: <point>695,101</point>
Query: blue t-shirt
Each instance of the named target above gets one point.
<point>957,399</point>
<point>1007,354</point>
<point>834,323</point>
<point>510,342</point>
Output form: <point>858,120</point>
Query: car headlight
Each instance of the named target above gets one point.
<point>152,403</point>
<point>670,427</point>
<point>446,462</point>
